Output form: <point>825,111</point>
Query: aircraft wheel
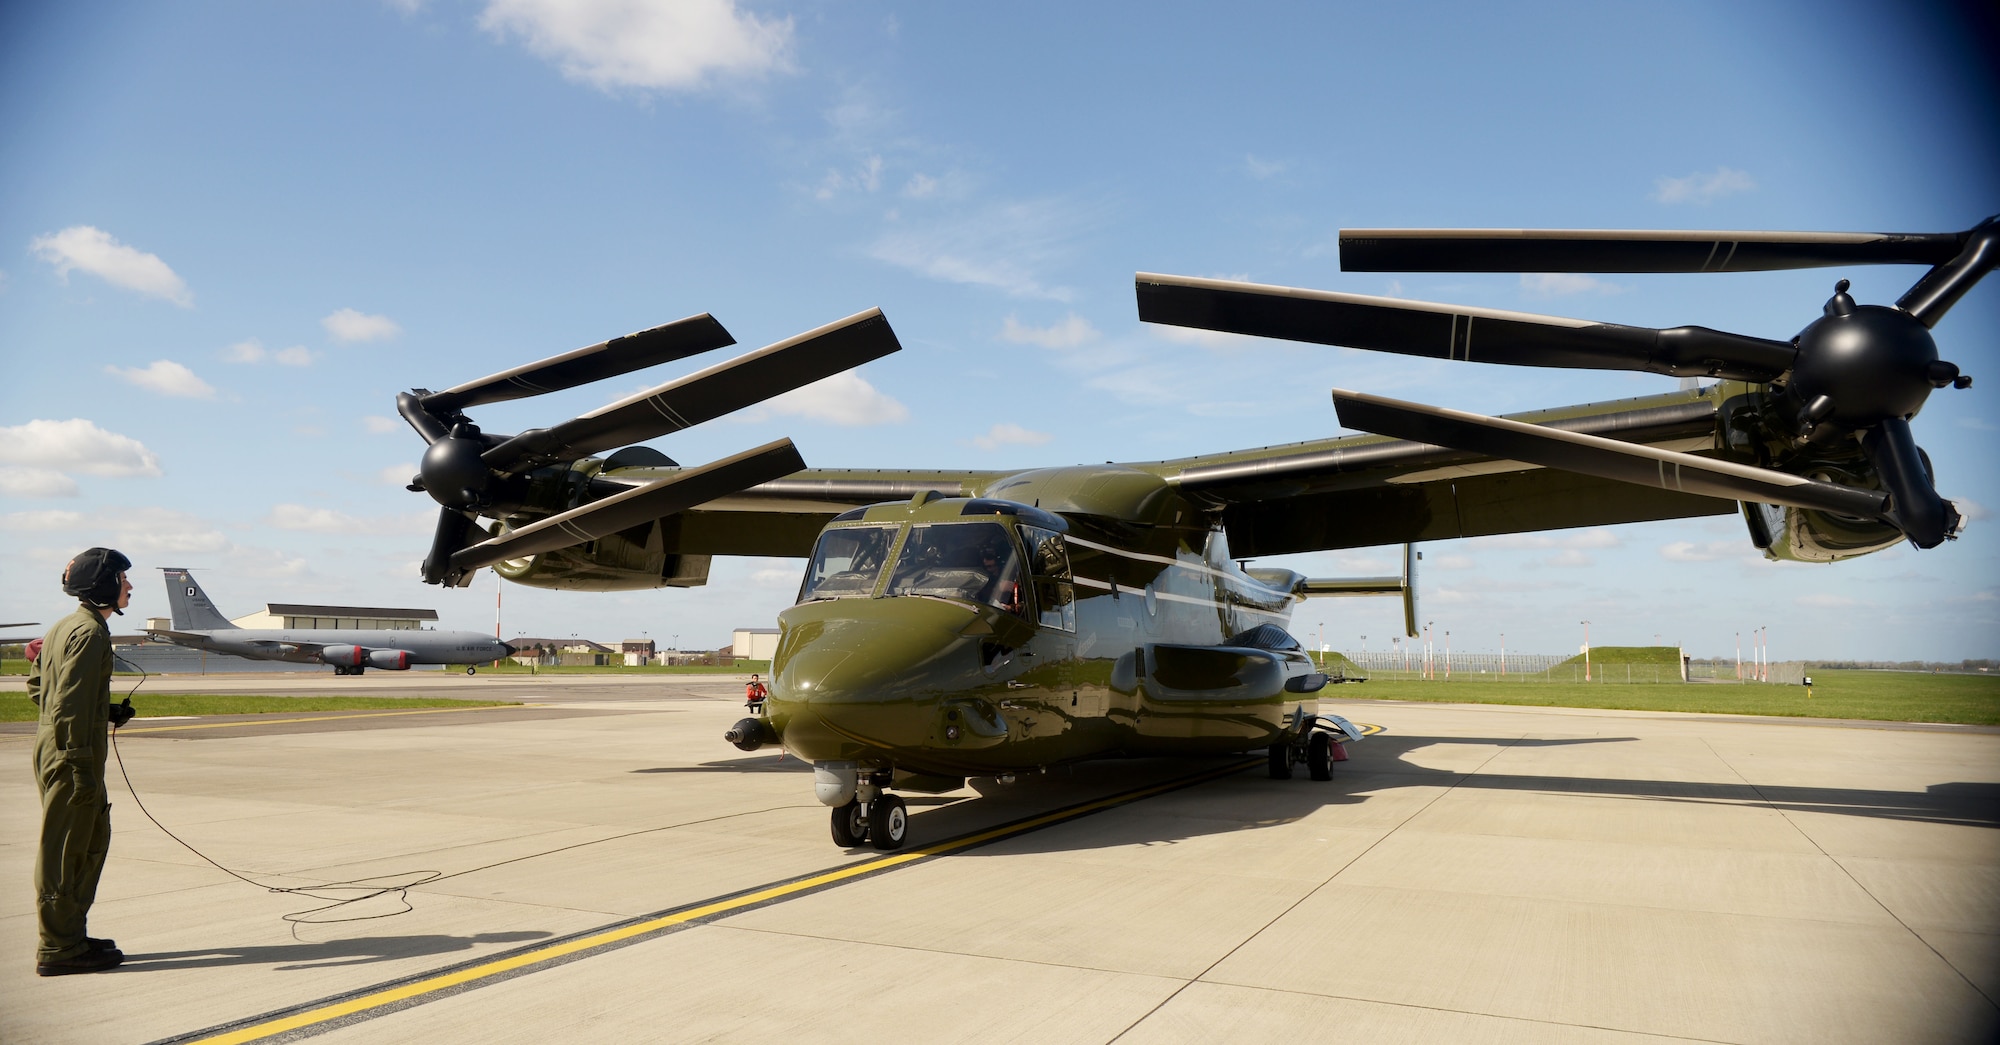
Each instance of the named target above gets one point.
<point>888,822</point>
<point>1281,761</point>
<point>1319,756</point>
<point>850,825</point>
<point>472,669</point>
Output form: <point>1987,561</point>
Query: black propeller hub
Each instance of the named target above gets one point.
<point>453,471</point>
<point>1859,365</point>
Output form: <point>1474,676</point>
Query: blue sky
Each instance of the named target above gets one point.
<point>231,232</point>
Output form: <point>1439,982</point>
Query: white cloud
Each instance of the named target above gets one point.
<point>1712,551</point>
<point>648,45</point>
<point>311,520</point>
<point>1008,434</point>
<point>297,355</point>
<point>1568,559</point>
<point>307,519</point>
<point>843,399</point>
<point>41,521</point>
<point>93,250</point>
<point>248,350</point>
<point>1002,247</point>
<point>1262,169</point>
<point>1971,511</point>
<point>76,445</point>
<point>920,186</point>
<point>167,378</point>
<point>16,481</point>
<point>1446,562</point>
<point>377,425</point>
<point>397,474</point>
<point>1703,188</point>
<point>350,325</point>
<point>1824,600</point>
<point>1071,331</point>
<point>1560,284</point>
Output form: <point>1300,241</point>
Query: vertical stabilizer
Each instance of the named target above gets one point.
<point>191,608</point>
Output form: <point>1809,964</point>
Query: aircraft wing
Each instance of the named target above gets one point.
<point>783,518</point>
<point>1361,491</point>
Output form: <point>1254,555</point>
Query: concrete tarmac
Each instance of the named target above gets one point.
<point>602,866</point>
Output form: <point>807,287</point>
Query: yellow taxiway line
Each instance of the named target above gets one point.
<point>379,1001</point>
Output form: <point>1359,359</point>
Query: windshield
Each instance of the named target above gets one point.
<point>846,563</point>
<point>972,561</point>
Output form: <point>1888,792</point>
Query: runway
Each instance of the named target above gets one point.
<point>602,865</point>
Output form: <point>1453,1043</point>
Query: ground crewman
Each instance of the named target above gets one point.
<point>71,682</point>
<point>754,693</point>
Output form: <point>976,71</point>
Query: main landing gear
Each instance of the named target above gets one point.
<point>1318,750</point>
<point>862,807</point>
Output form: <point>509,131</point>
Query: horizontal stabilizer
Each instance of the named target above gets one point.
<point>1337,587</point>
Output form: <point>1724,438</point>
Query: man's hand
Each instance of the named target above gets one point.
<point>122,713</point>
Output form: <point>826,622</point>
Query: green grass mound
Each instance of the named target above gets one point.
<point>1664,656</point>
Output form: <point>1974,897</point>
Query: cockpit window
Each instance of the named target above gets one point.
<point>973,561</point>
<point>847,562</point>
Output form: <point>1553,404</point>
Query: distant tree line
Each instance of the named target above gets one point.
<point>1981,664</point>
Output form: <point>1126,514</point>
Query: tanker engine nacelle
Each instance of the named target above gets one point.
<point>389,659</point>
<point>342,656</point>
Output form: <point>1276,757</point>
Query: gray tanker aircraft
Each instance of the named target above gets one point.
<point>198,624</point>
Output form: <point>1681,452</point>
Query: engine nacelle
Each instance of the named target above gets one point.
<point>633,560</point>
<point>1804,535</point>
<point>389,659</point>
<point>342,656</point>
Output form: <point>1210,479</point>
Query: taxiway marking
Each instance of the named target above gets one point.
<point>325,718</point>
<point>382,999</point>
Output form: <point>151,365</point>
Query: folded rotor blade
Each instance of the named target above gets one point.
<point>1600,457</point>
<point>620,355</point>
<point>1420,328</point>
<point>641,504</point>
<point>454,531</point>
<point>725,387</point>
<point>1615,250</point>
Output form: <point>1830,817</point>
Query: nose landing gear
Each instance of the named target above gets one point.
<point>872,814</point>
<point>1315,744</point>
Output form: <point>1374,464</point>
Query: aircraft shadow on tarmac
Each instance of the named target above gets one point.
<point>1380,765</point>
<point>290,957</point>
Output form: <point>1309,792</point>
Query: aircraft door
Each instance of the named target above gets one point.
<point>1055,593</point>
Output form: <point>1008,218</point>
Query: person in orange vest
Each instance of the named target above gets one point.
<point>754,694</point>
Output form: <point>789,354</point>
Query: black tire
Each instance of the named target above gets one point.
<point>850,828</point>
<point>1281,761</point>
<point>1319,756</point>
<point>888,822</point>
<point>472,669</point>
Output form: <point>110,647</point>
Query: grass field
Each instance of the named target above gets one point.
<point>15,707</point>
<point>1888,696</point>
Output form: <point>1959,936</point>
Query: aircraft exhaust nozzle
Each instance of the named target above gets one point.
<point>747,734</point>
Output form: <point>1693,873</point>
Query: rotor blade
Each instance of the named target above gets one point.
<point>1600,457</point>
<point>740,382</point>
<point>1420,328</point>
<point>1924,517</point>
<point>454,528</point>
<point>620,355</point>
<point>641,504</point>
<point>1622,250</point>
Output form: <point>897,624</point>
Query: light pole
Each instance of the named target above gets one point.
<point>1503,654</point>
<point>1447,655</point>
<point>1430,668</point>
<point>1586,651</point>
<point>1739,656</point>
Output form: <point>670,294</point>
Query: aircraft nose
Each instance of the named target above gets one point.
<point>852,677</point>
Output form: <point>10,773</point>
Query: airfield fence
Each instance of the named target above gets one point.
<point>1554,667</point>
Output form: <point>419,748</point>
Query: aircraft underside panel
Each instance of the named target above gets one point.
<point>1474,506</point>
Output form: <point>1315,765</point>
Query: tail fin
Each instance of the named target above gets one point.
<point>192,610</point>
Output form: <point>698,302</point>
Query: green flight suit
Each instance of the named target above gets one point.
<point>71,681</point>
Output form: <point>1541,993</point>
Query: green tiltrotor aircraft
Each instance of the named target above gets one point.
<point>983,623</point>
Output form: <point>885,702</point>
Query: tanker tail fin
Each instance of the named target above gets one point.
<point>191,608</point>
